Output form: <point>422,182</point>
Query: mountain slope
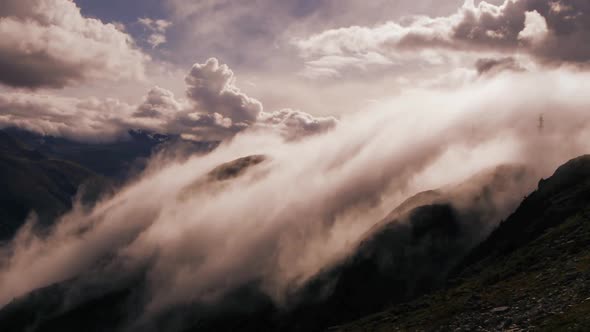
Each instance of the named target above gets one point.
<point>412,250</point>
<point>532,272</point>
<point>31,182</point>
<point>118,159</point>
<point>430,231</point>
<point>42,173</point>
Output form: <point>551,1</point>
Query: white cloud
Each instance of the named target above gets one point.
<point>215,109</point>
<point>156,39</point>
<point>535,28</point>
<point>293,124</point>
<point>157,29</point>
<point>311,200</point>
<point>48,43</point>
<point>546,33</point>
<point>83,119</point>
<point>332,65</point>
<point>211,87</point>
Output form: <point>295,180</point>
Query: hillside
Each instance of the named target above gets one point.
<point>118,159</point>
<point>429,232</point>
<point>43,173</point>
<point>531,273</point>
<point>31,181</point>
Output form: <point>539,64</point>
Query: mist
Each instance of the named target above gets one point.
<point>309,202</point>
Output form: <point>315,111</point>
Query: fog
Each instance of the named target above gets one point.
<point>309,202</point>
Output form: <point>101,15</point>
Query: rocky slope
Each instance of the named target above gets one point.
<point>531,273</point>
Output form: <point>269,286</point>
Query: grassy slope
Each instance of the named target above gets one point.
<point>533,272</point>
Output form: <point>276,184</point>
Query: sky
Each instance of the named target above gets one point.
<point>298,64</point>
<point>357,105</point>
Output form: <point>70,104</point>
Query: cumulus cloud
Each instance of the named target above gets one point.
<point>545,30</point>
<point>284,219</point>
<point>535,28</point>
<point>158,103</point>
<point>217,108</point>
<point>214,109</point>
<point>157,29</point>
<point>48,43</point>
<point>212,88</point>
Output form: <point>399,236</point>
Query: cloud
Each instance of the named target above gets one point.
<point>158,103</point>
<point>48,43</point>
<point>88,119</point>
<point>157,29</point>
<point>535,28</point>
<point>215,99</point>
<point>294,124</point>
<point>211,87</point>
<point>487,66</point>
<point>214,109</point>
<point>304,207</point>
<point>545,30</point>
<point>332,65</point>
<point>207,22</point>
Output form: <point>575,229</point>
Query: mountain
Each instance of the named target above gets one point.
<point>31,181</point>
<point>118,159</point>
<point>412,251</point>
<point>42,174</point>
<point>394,262</point>
<point>105,305</point>
<point>531,273</point>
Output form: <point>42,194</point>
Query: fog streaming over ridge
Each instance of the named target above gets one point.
<point>302,208</point>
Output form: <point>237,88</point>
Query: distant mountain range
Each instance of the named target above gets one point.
<point>117,159</point>
<point>42,174</point>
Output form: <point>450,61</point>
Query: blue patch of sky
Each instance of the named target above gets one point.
<point>125,11</point>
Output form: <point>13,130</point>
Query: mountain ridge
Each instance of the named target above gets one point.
<point>247,308</point>
<point>531,273</point>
